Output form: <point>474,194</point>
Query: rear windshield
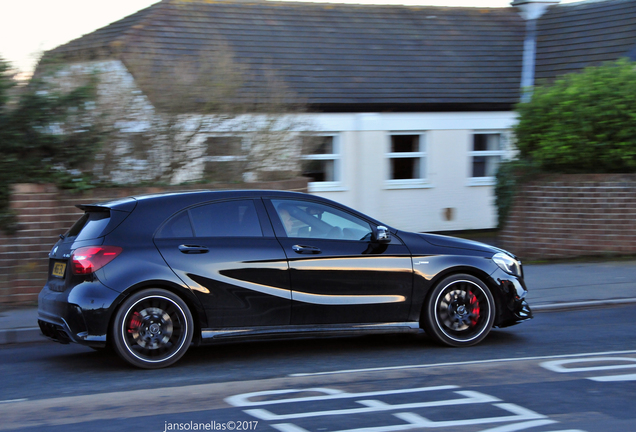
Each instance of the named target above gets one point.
<point>90,226</point>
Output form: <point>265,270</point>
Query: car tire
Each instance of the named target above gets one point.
<point>152,329</point>
<point>459,311</point>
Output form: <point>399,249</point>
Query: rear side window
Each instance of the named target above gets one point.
<point>226,219</point>
<point>178,226</point>
<point>223,219</point>
<point>90,226</point>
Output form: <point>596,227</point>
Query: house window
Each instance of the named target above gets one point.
<point>224,148</point>
<point>488,150</point>
<point>321,160</point>
<point>407,160</point>
<point>225,158</point>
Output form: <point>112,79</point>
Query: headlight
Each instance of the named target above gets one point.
<point>507,263</point>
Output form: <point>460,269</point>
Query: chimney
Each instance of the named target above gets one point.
<point>531,11</point>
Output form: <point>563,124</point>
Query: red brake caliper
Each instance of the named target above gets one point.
<point>135,322</point>
<point>474,304</point>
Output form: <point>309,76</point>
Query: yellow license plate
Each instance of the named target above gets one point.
<point>58,269</point>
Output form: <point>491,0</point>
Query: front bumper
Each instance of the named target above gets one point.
<point>80,314</point>
<point>512,306</point>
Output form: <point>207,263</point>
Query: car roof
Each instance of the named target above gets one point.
<point>155,208</point>
<point>188,197</point>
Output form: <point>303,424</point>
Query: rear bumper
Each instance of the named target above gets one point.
<point>80,314</point>
<point>56,332</point>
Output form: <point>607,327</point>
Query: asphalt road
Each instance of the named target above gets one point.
<point>562,371</point>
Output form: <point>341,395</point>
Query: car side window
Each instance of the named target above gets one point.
<point>221,219</point>
<point>178,226</point>
<point>226,219</point>
<point>305,219</point>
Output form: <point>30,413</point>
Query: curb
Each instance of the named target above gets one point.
<point>22,335</point>
<point>553,307</point>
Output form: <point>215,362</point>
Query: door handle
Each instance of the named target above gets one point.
<point>193,249</point>
<point>306,249</point>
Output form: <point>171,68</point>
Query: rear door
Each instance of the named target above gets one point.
<point>226,252</point>
<point>338,274</point>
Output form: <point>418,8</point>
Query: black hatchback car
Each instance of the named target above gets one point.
<point>152,275</point>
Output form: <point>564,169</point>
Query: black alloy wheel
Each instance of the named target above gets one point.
<point>460,311</point>
<point>152,329</point>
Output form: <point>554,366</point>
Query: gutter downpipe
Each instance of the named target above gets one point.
<point>531,11</point>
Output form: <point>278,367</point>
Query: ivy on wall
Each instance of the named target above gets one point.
<point>47,134</point>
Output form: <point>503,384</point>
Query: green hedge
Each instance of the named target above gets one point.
<point>581,123</point>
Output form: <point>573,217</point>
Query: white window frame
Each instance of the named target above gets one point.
<point>336,184</point>
<point>504,153</point>
<point>416,183</point>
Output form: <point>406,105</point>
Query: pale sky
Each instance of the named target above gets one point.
<point>29,27</point>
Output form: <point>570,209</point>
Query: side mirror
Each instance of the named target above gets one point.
<point>382,235</point>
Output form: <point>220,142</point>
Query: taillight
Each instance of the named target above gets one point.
<point>89,259</point>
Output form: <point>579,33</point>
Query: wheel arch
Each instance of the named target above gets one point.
<point>469,270</point>
<point>198,313</point>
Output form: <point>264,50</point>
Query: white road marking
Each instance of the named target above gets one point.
<point>416,421</point>
<point>13,400</point>
<point>520,426</point>
<point>557,365</point>
<point>431,365</point>
<point>522,418</point>
<point>243,400</point>
<point>288,427</point>
<point>614,378</point>
<point>519,414</point>
<point>470,397</point>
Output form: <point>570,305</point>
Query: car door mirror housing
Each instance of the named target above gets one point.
<point>382,235</point>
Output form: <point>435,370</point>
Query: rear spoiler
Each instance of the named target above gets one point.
<point>125,204</point>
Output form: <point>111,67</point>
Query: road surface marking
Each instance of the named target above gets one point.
<point>243,400</point>
<point>614,378</point>
<point>522,418</point>
<point>557,365</point>
<point>521,426</point>
<point>373,406</point>
<point>467,363</point>
<point>13,400</point>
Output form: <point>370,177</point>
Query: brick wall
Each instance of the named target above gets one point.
<point>568,216</point>
<point>44,212</point>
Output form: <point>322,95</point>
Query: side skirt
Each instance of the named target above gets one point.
<point>274,332</point>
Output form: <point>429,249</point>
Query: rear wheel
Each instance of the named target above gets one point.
<point>152,329</point>
<point>460,311</point>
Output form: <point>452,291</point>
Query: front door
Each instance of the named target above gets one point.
<point>338,273</point>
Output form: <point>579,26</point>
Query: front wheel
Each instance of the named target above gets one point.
<point>152,329</point>
<point>460,311</point>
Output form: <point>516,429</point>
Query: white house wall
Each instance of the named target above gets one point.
<point>447,201</point>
